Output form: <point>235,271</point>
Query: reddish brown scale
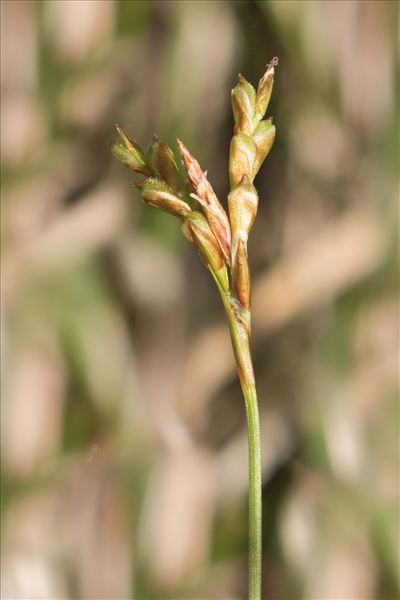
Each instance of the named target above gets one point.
<point>205,195</point>
<point>242,276</point>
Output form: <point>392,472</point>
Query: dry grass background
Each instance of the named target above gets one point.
<point>123,431</point>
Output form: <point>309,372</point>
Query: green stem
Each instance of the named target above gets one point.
<point>239,328</point>
<point>241,346</point>
<point>255,509</point>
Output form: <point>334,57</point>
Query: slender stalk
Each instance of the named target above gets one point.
<point>255,509</point>
<point>240,335</point>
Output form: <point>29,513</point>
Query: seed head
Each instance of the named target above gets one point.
<point>222,242</point>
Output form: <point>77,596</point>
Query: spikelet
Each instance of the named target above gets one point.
<point>206,197</point>
<point>250,144</point>
<point>197,229</point>
<point>130,153</point>
<point>243,97</point>
<point>264,90</point>
<point>242,204</point>
<point>242,158</point>
<point>159,194</point>
<point>161,160</point>
<point>263,137</point>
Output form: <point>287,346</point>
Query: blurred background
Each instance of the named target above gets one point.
<point>123,429</point>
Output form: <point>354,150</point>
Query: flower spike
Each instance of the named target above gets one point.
<point>222,244</point>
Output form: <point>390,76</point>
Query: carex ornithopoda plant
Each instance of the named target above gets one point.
<point>222,243</point>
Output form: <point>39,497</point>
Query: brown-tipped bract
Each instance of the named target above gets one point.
<point>159,194</point>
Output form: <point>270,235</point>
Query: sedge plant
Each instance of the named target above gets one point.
<point>221,240</point>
